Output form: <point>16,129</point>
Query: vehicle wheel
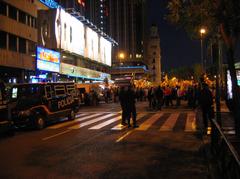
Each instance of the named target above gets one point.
<point>71,116</point>
<point>40,122</point>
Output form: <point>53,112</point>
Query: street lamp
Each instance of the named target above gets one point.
<point>202,32</point>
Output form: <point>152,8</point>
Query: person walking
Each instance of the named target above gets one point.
<point>131,106</point>
<point>123,103</point>
<point>159,97</point>
<point>206,104</point>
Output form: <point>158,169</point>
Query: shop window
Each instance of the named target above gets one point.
<point>12,42</point>
<point>3,41</point>
<point>22,17</point>
<point>22,45</point>
<point>3,8</point>
<point>12,12</point>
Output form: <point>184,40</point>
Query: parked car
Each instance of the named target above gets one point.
<point>39,103</point>
<point>6,125</point>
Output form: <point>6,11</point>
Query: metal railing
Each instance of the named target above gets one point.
<point>226,157</point>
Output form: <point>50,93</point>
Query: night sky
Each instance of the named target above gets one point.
<point>177,49</point>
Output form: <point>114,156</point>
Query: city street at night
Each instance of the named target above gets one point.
<point>166,144</point>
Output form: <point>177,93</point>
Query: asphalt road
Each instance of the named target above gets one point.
<point>166,145</point>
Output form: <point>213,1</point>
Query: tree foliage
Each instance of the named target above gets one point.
<point>215,15</point>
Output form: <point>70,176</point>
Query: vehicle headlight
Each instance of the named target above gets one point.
<point>25,113</point>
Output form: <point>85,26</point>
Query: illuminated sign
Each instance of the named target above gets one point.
<point>69,33</point>
<point>75,71</point>
<point>74,37</point>
<point>229,83</point>
<point>50,3</point>
<point>105,51</point>
<point>48,60</point>
<point>92,45</point>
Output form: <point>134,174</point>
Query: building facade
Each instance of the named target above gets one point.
<point>127,27</point>
<point>41,40</point>
<point>18,34</point>
<point>154,55</point>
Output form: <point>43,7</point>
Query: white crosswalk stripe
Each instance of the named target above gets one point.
<point>78,126</point>
<point>79,119</point>
<point>99,126</point>
<point>149,122</point>
<point>120,126</point>
<point>170,122</point>
<point>103,120</point>
<point>190,123</point>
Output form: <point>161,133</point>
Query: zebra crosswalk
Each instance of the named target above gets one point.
<point>163,122</point>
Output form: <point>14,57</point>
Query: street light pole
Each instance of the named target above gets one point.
<point>202,32</point>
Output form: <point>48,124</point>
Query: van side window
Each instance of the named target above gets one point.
<point>70,89</point>
<point>59,90</point>
<point>48,92</point>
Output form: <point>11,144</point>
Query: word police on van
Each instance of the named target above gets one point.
<point>39,103</point>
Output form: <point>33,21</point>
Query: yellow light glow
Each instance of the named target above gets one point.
<point>121,55</point>
<point>202,31</point>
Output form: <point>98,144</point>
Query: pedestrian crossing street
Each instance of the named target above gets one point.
<point>161,121</point>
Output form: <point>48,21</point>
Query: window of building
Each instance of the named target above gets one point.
<point>12,12</point>
<point>154,53</point>
<point>12,42</point>
<point>34,23</point>
<point>3,41</point>
<point>29,20</point>
<point>22,17</point>
<point>153,61</point>
<point>31,47</point>
<point>153,67</point>
<point>3,8</point>
<point>22,45</point>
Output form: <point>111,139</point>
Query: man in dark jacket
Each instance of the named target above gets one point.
<point>131,107</point>
<point>206,102</point>
<point>123,103</point>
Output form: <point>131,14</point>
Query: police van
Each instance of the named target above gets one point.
<point>39,103</point>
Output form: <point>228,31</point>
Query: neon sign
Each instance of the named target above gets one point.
<point>48,60</point>
<point>50,3</point>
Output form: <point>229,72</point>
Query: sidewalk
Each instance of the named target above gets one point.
<point>227,120</point>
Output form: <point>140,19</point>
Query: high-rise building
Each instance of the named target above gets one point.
<point>18,37</point>
<point>154,55</point>
<point>126,26</point>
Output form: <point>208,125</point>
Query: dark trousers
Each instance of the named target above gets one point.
<point>131,112</point>
<point>207,114</point>
<point>124,113</point>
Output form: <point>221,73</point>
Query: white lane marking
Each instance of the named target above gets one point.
<point>170,122</point>
<point>78,126</point>
<point>144,126</point>
<point>120,126</point>
<point>55,135</point>
<point>99,126</point>
<point>122,137</point>
<point>57,126</point>
<point>190,123</point>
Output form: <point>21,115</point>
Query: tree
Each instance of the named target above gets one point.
<point>219,17</point>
